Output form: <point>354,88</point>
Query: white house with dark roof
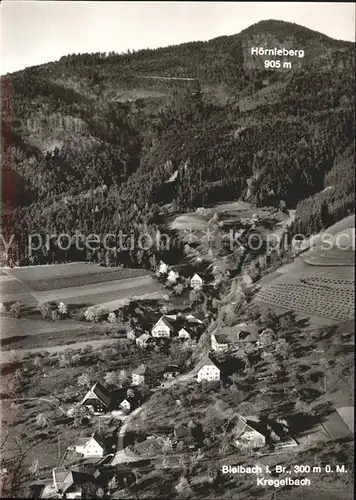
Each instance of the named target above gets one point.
<point>247,434</point>
<point>207,370</point>
<point>184,334</point>
<point>142,375</point>
<point>163,328</point>
<point>196,282</point>
<point>90,447</point>
<point>98,399</point>
<point>142,340</point>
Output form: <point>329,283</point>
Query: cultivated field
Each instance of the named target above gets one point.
<point>77,283</point>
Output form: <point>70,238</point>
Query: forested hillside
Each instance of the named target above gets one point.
<point>90,141</point>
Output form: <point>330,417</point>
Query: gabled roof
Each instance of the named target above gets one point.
<point>143,337</point>
<point>247,333</point>
<point>196,276</point>
<point>224,337</point>
<point>334,427</point>
<point>347,413</point>
<point>59,474</point>
<point>246,424</point>
<point>141,370</point>
<point>171,369</point>
<point>102,393</point>
<point>193,319</point>
<point>99,439</point>
<point>76,477</point>
<point>183,330</point>
<point>206,361</point>
<point>165,321</point>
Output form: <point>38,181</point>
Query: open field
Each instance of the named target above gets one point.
<point>77,284</point>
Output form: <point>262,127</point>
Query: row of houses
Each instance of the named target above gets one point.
<point>196,281</point>
<point>168,326</point>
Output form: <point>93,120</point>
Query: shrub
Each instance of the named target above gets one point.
<point>15,309</point>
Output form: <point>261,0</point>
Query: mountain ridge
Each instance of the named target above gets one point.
<point>88,123</point>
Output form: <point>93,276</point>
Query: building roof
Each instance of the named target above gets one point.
<point>334,427</point>
<point>248,424</point>
<point>165,321</point>
<point>247,333</point>
<point>193,319</point>
<point>225,337</point>
<point>141,370</point>
<point>59,474</point>
<point>183,330</point>
<point>196,276</point>
<point>143,337</point>
<point>102,393</point>
<point>171,369</point>
<point>206,361</point>
<point>77,476</point>
<point>347,413</point>
<point>99,439</point>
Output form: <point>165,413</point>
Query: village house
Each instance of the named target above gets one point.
<point>247,434</point>
<point>247,332</point>
<point>207,370</point>
<point>162,328</point>
<point>231,336</point>
<point>220,342</point>
<point>143,340</point>
<point>125,405</point>
<point>162,268</point>
<point>90,447</point>
<point>184,334</point>
<point>142,375</point>
<point>196,282</point>
<point>59,474</point>
<point>97,399</point>
<point>73,484</point>
<point>131,334</point>
<point>170,372</point>
<point>191,319</point>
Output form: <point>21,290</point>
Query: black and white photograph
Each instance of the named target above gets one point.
<point>177,250</point>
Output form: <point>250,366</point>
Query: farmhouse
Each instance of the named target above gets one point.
<point>59,474</point>
<point>338,425</point>
<point>170,372</point>
<point>143,340</point>
<point>191,319</point>
<point>196,282</point>
<point>184,334</point>
<point>74,482</point>
<point>231,336</point>
<point>220,342</point>
<point>90,447</point>
<point>162,328</point>
<point>162,268</point>
<point>207,370</point>
<point>247,332</point>
<point>142,375</point>
<point>248,434</point>
<point>97,399</point>
<point>131,335</point>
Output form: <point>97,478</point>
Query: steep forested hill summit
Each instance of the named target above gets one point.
<point>96,134</point>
